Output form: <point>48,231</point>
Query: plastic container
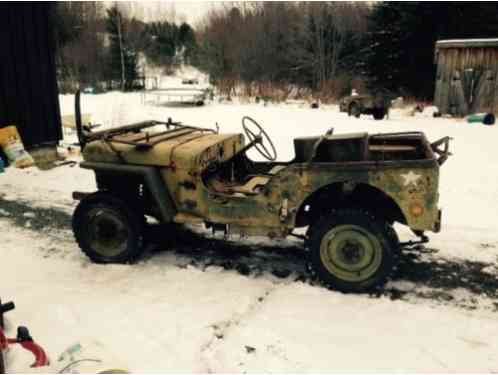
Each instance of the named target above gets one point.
<point>88,357</point>
<point>482,118</point>
<point>12,146</point>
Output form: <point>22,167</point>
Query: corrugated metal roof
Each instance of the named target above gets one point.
<point>467,43</point>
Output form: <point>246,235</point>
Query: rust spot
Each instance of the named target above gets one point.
<point>189,185</point>
<point>189,204</point>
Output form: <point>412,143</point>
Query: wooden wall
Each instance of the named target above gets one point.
<point>28,85</point>
<point>467,80</point>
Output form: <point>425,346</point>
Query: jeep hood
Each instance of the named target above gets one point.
<point>194,150</point>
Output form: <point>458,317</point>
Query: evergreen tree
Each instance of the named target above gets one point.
<point>186,39</point>
<point>399,55</point>
<point>161,42</point>
<point>165,43</point>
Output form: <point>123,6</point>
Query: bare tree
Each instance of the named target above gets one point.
<point>274,44</point>
<point>80,43</point>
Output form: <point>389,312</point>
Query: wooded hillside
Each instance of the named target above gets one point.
<point>320,49</point>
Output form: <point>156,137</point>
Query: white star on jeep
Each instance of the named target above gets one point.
<point>410,178</point>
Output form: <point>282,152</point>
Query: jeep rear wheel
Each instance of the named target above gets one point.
<point>379,113</point>
<point>107,229</point>
<point>351,251</point>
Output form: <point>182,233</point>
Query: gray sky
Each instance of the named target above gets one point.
<point>194,10</point>
<point>190,11</point>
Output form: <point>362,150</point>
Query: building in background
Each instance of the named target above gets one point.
<point>28,85</point>
<point>467,76</point>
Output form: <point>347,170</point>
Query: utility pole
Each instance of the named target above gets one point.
<point>120,36</point>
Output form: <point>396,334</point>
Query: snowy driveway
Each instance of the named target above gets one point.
<point>248,306</point>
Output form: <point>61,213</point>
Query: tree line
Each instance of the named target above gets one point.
<point>328,48</point>
<point>322,49</point>
<point>280,45</point>
<point>103,47</point>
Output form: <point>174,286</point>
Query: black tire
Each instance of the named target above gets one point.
<point>372,241</point>
<point>107,229</point>
<point>354,110</point>
<point>379,113</point>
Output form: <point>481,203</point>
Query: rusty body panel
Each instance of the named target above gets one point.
<point>289,189</point>
<point>199,169</point>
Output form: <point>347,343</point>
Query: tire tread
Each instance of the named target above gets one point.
<point>135,220</point>
<point>385,233</point>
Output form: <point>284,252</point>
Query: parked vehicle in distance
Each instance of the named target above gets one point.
<point>190,81</point>
<point>355,105</point>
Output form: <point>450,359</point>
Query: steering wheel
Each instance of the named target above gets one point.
<point>261,138</point>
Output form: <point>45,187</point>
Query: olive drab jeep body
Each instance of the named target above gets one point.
<point>347,189</point>
<point>376,105</point>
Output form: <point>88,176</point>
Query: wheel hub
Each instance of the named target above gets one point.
<point>107,233</point>
<point>350,253</point>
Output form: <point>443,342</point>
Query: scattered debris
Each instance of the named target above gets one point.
<point>487,246</point>
<point>397,103</point>
<point>29,215</point>
<point>250,349</point>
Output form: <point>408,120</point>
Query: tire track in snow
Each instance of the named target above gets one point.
<point>222,329</point>
<point>423,275</point>
<point>27,215</point>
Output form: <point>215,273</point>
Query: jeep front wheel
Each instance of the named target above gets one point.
<point>351,251</point>
<point>107,229</point>
<point>379,113</point>
<point>354,110</point>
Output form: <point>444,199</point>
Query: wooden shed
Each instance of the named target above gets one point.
<point>467,76</point>
<point>28,83</point>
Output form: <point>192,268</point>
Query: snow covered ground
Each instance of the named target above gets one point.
<point>204,305</point>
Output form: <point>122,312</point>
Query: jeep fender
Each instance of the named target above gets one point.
<point>347,194</point>
<point>151,178</point>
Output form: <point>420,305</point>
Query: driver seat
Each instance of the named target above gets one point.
<point>254,183</point>
<point>250,187</point>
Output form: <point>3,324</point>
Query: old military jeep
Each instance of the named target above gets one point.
<point>348,190</point>
<point>376,105</point>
